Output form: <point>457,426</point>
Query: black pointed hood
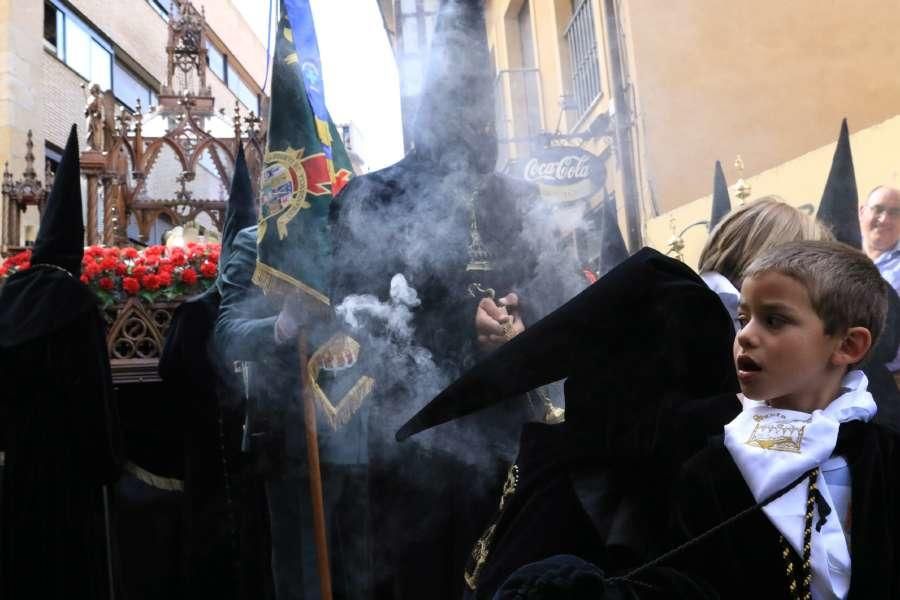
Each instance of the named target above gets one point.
<point>455,119</point>
<point>612,245</point>
<point>47,297</point>
<point>839,207</point>
<point>721,201</point>
<point>646,335</point>
<point>60,239</point>
<point>241,210</point>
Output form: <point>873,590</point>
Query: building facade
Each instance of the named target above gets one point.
<point>660,91</point>
<point>564,100</point>
<point>53,51</point>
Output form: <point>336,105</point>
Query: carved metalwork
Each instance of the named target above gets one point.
<point>19,194</point>
<point>742,187</point>
<point>184,128</point>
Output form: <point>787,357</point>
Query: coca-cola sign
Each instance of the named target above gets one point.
<point>564,174</point>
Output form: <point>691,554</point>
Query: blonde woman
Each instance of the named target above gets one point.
<point>745,233</point>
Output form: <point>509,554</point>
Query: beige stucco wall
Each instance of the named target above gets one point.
<point>769,80</point>
<point>799,181</point>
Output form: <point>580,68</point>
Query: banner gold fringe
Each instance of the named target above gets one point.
<point>340,415</point>
<point>169,484</point>
<point>272,280</point>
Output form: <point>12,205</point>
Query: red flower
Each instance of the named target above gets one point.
<point>179,259</point>
<point>121,269</point>
<point>131,285</point>
<point>129,253</point>
<point>105,283</point>
<point>25,265</point>
<point>108,263</point>
<point>84,279</point>
<point>208,269</point>
<point>189,276</point>
<point>154,250</point>
<point>138,271</point>
<point>92,269</point>
<point>94,251</point>
<point>3,270</point>
<point>150,282</point>
<point>111,252</point>
<point>151,260</point>
<point>165,278</point>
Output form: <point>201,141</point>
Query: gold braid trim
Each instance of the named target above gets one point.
<point>343,346</point>
<point>169,484</point>
<point>272,280</point>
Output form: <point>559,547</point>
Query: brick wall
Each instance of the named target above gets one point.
<point>62,104</point>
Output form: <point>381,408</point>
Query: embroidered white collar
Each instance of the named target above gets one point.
<point>773,447</point>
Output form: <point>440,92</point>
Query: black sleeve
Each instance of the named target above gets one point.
<point>693,513</point>
<point>566,577</point>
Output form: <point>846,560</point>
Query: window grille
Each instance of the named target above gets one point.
<point>581,36</point>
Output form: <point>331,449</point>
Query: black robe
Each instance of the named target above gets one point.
<point>61,435</point>
<point>745,561</point>
<point>226,537</point>
<point>431,497</point>
<point>603,502</point>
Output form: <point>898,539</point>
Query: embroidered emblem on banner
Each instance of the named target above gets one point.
<point>784,436</point>
<point>287,178</point>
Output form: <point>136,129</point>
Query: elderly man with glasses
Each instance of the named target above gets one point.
<point>879,222</point>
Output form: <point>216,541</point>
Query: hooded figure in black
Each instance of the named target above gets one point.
<point>454,228</point>
<point>224,547</point>
<point>646,353</point>
<point>839,211</point>
<point>721,201</point>
<point>60,427</point>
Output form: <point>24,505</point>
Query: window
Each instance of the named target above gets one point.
<point>216,60</point>
<point>160,7</point>
<point>52,157</point>
<point>128,88</point>
<point>240,89</point>
<point>77,45</point>
<point>528,86</point>
<point>52,25</point>
<point>416,21</point>
<point>582,40</point>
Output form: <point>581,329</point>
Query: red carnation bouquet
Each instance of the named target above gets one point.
<point>151,274</point>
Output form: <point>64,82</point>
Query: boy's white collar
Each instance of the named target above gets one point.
<point>773,447</point>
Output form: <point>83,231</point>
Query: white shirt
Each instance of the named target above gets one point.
<point>773,447</point>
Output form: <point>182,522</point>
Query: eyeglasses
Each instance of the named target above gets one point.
<point>879,210</point>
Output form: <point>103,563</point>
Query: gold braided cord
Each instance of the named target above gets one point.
<point>800,588</point>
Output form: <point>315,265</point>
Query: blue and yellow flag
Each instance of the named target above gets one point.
<point>305,167</point>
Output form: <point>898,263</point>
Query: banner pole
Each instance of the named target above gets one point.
<point>315,475</point>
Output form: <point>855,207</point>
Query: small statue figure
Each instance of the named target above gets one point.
<point>93,112</point>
